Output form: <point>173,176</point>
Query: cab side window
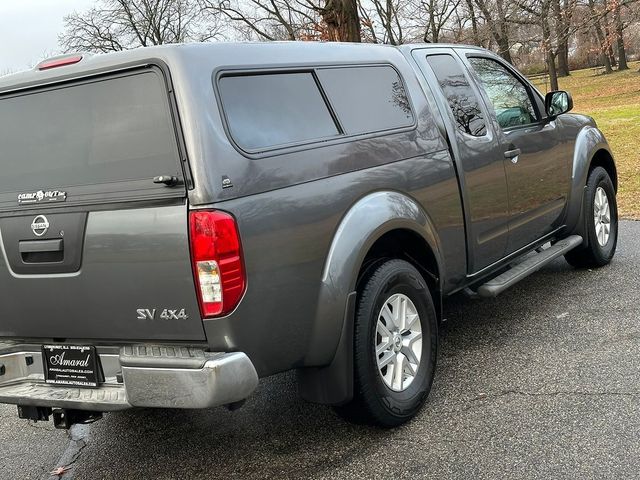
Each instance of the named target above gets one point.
<point>463,102</point>
<point>509,96</point>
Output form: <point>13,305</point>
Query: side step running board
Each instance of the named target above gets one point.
<point>530,265</point>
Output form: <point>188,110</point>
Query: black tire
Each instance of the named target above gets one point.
<point>595,254</point>
<point>374,402</point>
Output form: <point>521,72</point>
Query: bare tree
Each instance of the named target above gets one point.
<point>619,27</point>
<point>498,16</point>
<point>384,21</point>
<point>538,13</point>
<point>563,11</point>
<point>121,24</point>
<point>596,15</point>
<point>474,22</point>
<point>438,15</point>
<point>269,20</point>
<point>333,20</point>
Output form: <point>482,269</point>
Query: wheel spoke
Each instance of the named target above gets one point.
<point>411,355</point>
<point>388,375</point>
<point>383,330</point>
<point>396,312</point>
<point>411,370</point>
<point>411,320</point>
<point>402,323</point>
<point>384,346</point>
<point>606,216</point>
<point>386,359</point>
<point>387,314</point>
<point>398,372</point>
<point>408,343</point>
<point>386,338</point>
<point>411,339</point>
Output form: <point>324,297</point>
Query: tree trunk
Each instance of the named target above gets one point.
<point>563,64</point>
<point>568,10</point>
<point>612,56</point>
<point>553,74</point>
<point>432,24</point>
<point>504,49</point>
<point>622,54</point>
<point>474,22</point>
<point>563,43</point>
<point>607,35</point>
<point>549,54</point>
<point>342,20</point>
<point>601,38</point>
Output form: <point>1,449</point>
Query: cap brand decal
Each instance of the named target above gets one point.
<point>40,225</point>
<point>42,197</point>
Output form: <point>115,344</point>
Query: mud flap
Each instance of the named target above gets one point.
<point>333,384</point>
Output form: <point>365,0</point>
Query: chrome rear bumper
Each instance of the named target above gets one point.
<point>136,376</point>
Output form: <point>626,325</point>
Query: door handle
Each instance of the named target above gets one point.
<point>41,251</point>
<point>41,246</point>
<point>513,155</point>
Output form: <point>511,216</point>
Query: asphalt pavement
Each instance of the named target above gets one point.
<point>541,382</point>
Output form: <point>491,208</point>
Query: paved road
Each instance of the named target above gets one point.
<point>542,382</point>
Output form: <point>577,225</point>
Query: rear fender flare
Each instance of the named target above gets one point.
<point>331,341</point>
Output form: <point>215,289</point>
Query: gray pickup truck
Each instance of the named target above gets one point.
<point>177,222</point>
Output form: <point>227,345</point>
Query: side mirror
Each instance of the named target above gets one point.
<point>558,102</point>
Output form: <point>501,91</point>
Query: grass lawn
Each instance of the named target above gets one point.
<point>614,102</point>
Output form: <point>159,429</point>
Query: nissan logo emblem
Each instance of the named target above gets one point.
<point>40,225</point>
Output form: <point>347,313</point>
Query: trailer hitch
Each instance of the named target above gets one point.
<point>62,418</point>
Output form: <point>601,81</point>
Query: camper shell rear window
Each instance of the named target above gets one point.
<point>111,133</point>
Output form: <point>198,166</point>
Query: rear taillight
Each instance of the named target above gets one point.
<point>216,254</point>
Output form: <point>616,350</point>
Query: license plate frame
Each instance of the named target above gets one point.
<point>71,365</point>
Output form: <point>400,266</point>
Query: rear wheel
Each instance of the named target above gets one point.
<point>395,346</point>
<point>601,213</point>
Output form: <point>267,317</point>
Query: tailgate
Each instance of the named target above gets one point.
<point>92,248</point>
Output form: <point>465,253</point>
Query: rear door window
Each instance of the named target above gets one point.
<point>109,131</point>
<point>367,99</point>
<point>276,109</point>
<point>462,100</point>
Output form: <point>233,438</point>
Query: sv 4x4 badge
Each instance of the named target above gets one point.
<point>166,314</point>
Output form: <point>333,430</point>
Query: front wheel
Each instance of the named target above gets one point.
<point>395,346</point>
<point>601,212</point>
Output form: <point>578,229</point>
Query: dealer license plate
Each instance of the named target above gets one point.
<point>70,365</point>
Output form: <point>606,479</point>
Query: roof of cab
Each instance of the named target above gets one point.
<point>211,55</point>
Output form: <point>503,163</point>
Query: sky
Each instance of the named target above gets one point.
<point>29,30</point>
